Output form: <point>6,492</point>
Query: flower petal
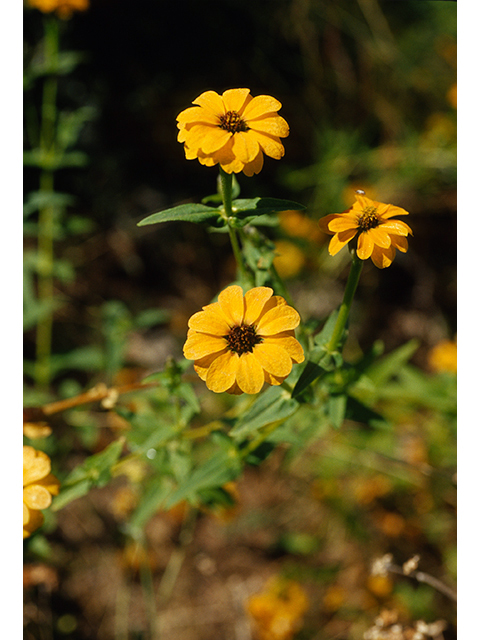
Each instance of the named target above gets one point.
<point>202,365</point>
<point>212,101</point>
<point>250,376</point>
<point>391,210</point>
<point>273,358</point>
<point>235,99</point>
<point>195,136</point>
<point>255,166</point>
<point>382,258</point>
<point>245,146</point>
<point>232,303</point>
<point>37,497</point>
<point>36,465</point>
<point>344,222</point>
<point>222,372</point>
<point>199,345</point>
<point>270,145</point>
<point>278,319</point>
<point>261,105</point>
<point>324,222</point>
<point>339,240</point>
<point>365,245</point>
<point>195,115</point>
<point>255,300</point>
<point>289,343</point>
<point>210,320</point>
<point>274,125</point>
<point>398,227</point>
<point>380,236</point>
<point>399,242</point>
<point>215,138</point>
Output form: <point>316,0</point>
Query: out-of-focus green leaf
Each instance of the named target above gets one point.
<point>95,471</point>
<point>382,370</point>
<point>336,408</point>
<point>261,206</point>
<point>272,406</point>
<point>184,212</point>
<point>219,469</point>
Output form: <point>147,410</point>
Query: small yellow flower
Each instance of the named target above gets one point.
<point>233,130</point>
<point>289,259</point>
<point>39,485</point>
<point>64,8</point>
<point>278,610</point>
<point>240,342</point>
<point>443,356</point>
<point>378,235</point>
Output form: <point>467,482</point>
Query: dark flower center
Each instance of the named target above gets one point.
<point>242,338</point>
<point>233,122</point>
<point>368,219</point>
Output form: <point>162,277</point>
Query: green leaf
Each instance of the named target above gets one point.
<point>94,472</point>
<point>37,200</point>
<point>336,408</point>
<point>359,412</point>
<point>155,494</point>
<point>389,365</point>
<point>88,358</point>
<point>259,206</point>
<point>272,406</point>
<point>216,472</point>
<point>184,212</point>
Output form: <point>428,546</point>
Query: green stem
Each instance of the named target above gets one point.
<point>344,311</point>
<point>226,192</point>
<point>46,217</point>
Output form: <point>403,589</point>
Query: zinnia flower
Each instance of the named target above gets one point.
<point>378,235</point>
<point>39,485</point>
<point>233,130</point>
<point>240,342</point>
<point>64,8</point>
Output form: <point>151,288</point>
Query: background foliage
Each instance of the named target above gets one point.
<point>368,89</point>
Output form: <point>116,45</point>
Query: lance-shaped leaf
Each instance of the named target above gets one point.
<point>183,213</point>
<point>261,206</point>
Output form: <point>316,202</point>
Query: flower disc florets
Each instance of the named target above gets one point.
<point>243,341</point>
<point>378,236</point>
<point>233,130</point>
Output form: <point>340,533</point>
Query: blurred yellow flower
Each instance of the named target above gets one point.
<point>289,259</point>
<point>443,356</point>
<point>233,130</point>
<point>242,341</point>
<point>452,95</point>
<point>39,485</point>
<point>298,225</point>
<point>278,610</point>
<point>378,236</point>
<point>63,8</point>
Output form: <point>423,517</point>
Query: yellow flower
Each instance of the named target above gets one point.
<point>240,342</point>
<point>39,485</point>
<point>378,235</point>
<point>278,610</point>
<point>64,8</point>
<point>289,259</point>
<point>443,356</point>
<point>233,130</point>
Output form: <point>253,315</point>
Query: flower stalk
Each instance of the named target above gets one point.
<point>46,220</point>
<point>344,311</point>
<point>226,180</point>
